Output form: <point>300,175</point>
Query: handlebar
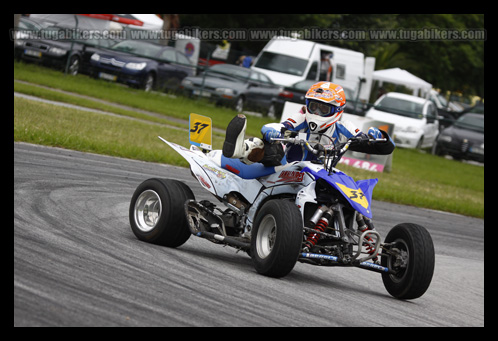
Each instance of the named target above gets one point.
<point>342,147</point>
<point>294,140</point>
<point>336,153</point>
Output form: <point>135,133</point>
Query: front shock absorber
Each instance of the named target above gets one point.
<point>320,226</point>
<point>363,225</point>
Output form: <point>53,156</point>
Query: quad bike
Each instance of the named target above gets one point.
<point>306,211</point>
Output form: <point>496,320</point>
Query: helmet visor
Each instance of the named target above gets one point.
<point>323,109</point>
<point>319,108</point>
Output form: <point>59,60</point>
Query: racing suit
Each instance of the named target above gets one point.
<point>339,132</point>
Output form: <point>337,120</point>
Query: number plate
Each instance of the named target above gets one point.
<point>107,76</point>
<point>203,94</point>
<point>32,53</point>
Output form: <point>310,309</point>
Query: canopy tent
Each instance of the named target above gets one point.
<point>403,77</point>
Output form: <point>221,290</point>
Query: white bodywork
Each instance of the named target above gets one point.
<point>287,179</point>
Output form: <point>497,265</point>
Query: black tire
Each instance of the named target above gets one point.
<point>412,279</point>
<point>276,238</point>
<point>157,213</point>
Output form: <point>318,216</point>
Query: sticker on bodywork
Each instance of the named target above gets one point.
<point>201,131</point>
<point>354,194</point>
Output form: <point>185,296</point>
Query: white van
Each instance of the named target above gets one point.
<point>288,60</point>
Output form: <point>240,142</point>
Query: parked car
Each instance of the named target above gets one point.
<point>54,52</point>
<point>464,139</point>
<point>142,64</point>
<point>34,44</point>
<point>478,108</point>
<point>235,86</point>
<point>414,118</point>
<point>296,92</point>
<point>88,48</point>
<point>448,112</point>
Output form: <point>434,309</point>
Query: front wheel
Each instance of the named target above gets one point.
<point>412,258</point>
<point>239,104</point>
<point>148,83</point>
<point>157,212</point>
<point>276,238</point>
<point>74,65</point>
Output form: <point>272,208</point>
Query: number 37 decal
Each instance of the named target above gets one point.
<point>200,131</point>
<point>356,195</point>
<point>198,126</point>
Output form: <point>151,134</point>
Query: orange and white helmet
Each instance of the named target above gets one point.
<point>325,102</point>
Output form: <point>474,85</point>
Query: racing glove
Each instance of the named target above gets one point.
<point>288,133</point>
<point>380,148</point>
<point>277,130</point>
<point>270,131</point>
<point>374,133</point>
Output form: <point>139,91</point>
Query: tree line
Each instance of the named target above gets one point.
<point>446,50</point>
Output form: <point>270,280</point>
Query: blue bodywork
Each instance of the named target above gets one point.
<point>358,193</point>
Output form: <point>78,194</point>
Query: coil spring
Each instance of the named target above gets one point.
<point>370,249</point>
<point>314,237</point>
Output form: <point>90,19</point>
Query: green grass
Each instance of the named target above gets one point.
<point>53,95</point>
<point>417,178</point>
<point>51,125</point>
<point>167,105</point>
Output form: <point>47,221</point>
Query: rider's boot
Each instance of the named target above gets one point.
<point>248,151</point>
<point>234,137</point>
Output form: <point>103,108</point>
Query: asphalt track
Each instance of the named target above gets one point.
<point>77,263</point>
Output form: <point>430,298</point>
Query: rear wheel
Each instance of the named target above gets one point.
<point>276,238</point>
<point>157,213</point>
<point>413,260</point>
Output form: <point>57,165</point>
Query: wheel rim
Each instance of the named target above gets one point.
<point>265,239</point>
<point>148,208</point>
<point>272,112</point>
<point>240,104</point>
<point>149,83</point>
<point>399,264</point>
<point>74,66</point>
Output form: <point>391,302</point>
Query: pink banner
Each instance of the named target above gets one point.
<point>363,164</point>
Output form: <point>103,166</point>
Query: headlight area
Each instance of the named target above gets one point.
<point>477,149</point>
<point>57,51</point>
<point>136,66</point>
<point>407,136</point>
<point>225,92</point>
<point>444,138</point>
<point>186,82</point>
<point>409,129</point>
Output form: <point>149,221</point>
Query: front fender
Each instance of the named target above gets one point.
<point>357,193</point>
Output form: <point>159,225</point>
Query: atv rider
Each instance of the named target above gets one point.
<point>325,103</point>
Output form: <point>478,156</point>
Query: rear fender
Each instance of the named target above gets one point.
<point>212,177</point>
